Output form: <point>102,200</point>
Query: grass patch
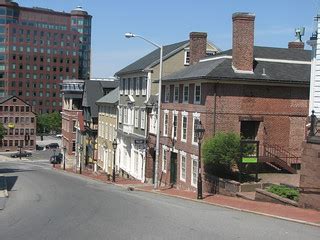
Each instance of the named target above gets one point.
<point>283,191</point>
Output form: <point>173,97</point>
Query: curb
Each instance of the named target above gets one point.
<point>230,207</point>
<point>132,188</point>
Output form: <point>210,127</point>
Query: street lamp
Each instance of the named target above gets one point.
<point>131,35</point>
<point>114,146</point>
<point>199,131</point>
<point>64,157</point>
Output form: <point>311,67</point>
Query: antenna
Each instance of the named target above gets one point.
<point>299,32</point>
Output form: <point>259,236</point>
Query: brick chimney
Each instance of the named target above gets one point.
<point>296,45</point>
<point>242,42</point>
<point>198,46</point>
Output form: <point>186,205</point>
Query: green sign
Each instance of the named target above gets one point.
<point>249,159</point>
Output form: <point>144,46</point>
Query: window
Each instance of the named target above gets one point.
<point>183,167</point>
<point>167,93</point>
<point>137,86</point>
<point>126,86</point>
<point>165,123</point>
<point>186,93</point>
<point>73,146</point>
<point>184,127</point>
<point>136,118</point>
<point>197,94</point>
<point>196,120</point>
<point>131,86</point>
<point>194,171</point>
<point>176,94</point>
<point>144,86</point>
<point>121,86</point>
<point>164,159</point>
<point>143,115</point>
<point>175,125</point>
<point>120,114</point>
<point>186,57</point>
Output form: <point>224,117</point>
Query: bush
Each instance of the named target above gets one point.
<point>221,152</point>
<point>283,191</point>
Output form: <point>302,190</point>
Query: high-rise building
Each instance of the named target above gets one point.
<point>39,48</point>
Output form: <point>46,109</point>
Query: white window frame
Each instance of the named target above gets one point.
<point>144,86</point>
<point>194,170</point>
<point>167,93</point>
<point>142,118</point>
<point>195,96</point>
<point>184,95</point>
<point>176,96</point>
<point>121,86</point>
<point>184,115</point>
<point>164,159</point>
<point>136,117</point>
<point>120,114</point>
<point>137,86</point>
<point>183,155</point>
<point>196,116</point>
<point>126,87</point>
<point>174,114</point>
<point>131,86</point>
<point>125,115</point>
<point>165,122</point>
<point>186,60</point>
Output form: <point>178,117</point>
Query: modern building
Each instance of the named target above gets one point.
<point>39,48</point>
<point>19,122</point>
<point>107,131</point>
<point>260,93</point>
<point>137,85</point>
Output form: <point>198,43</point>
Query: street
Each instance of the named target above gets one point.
<point>49,204</point>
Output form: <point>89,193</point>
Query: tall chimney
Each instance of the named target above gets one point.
<point>296,45</point>
<point>242,42</point>
<point>198,46</point>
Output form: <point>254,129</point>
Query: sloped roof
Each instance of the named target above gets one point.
<point>112,97</point>
<point>220,68</point>
<point>94,90</point>
<point>152,58</point>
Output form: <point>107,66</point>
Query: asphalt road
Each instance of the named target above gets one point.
<point>47,204</point>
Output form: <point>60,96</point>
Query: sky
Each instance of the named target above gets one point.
<point>169,21</point>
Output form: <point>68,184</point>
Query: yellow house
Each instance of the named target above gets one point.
<point>107,130</point>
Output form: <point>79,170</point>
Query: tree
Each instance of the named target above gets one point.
<point>49,122</point>
<point>2,131</point>
<point>220,153</point>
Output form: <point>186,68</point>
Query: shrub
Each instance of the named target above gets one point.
<point>283,191</point>
<point>221,152</point>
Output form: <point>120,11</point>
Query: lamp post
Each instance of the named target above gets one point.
<point>80,167</point>
<point>199,131</point>
<point>131,35</point>
<point>114,146</point>
<point>64,157</point>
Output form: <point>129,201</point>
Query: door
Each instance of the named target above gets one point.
<point>249,129</point>
<point>173,168</point>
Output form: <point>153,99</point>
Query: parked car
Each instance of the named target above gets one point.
<point>21,154</point>
<point>38,147</point>
<point>52,146</point>
<point>56,159</point>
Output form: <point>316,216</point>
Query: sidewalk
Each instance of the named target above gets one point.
<point>300,215</point>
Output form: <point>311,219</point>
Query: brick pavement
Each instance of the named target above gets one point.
<point>307,216</point>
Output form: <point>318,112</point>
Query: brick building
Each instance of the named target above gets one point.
<point>258,92</point>
<point>38,49</point>
<point>19,122</point>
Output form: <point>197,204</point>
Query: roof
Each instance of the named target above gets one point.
<point>112,97</point>
<point>152,58</point>
<point>270,64</point>
<point>94,90</point>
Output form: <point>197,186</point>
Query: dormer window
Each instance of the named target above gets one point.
<point>186,57</point>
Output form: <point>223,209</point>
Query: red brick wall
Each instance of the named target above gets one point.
<point>283,111</point>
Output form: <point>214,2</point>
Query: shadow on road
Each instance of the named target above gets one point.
<point>11,180</point>
<point>13,170</point>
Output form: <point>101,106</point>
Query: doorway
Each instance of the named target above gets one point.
<point>249,129</point>
<point>173,168</point>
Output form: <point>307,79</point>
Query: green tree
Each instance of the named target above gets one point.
<point>2,130</point>
<point>49,122</point>
<point>220,153</point>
